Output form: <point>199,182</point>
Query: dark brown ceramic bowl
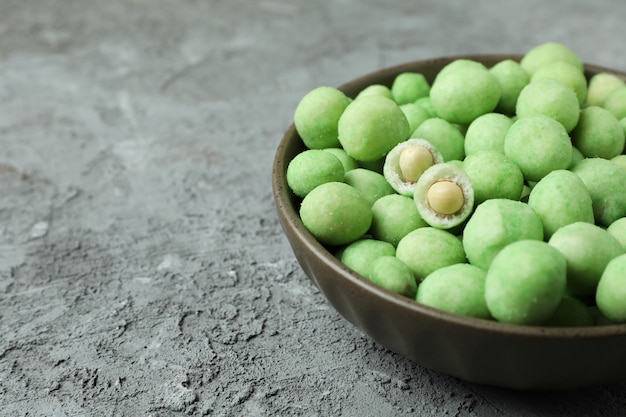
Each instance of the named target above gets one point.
<point>481,351</point>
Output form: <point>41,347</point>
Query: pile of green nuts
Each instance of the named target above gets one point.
<point>497,193</point>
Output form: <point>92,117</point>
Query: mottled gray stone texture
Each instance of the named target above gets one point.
<point>143,271</point>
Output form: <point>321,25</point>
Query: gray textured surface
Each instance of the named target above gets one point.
<point>142,268</point>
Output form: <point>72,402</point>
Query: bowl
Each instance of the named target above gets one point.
<point>474,350</point>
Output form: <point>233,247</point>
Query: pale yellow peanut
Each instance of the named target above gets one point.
<point>413,161</point>
<point>445,197</point>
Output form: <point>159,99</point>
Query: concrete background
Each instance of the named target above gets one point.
<point>143,271</point>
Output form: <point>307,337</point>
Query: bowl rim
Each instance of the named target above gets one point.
<point>285,204</point>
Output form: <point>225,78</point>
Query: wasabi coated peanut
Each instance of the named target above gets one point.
<point>600,86</point>
<point>371,184</point>
<point>425,103</point>
<point>376,90</point>
<point>394,216</point>
<point>371,126</point>
<point>568,74</point>
<point>427,249</point>
<point>598,133</point>
<point>549,98</point>
<point>360,255</point>
<point>620,161</point>
<point>577,156</point>
<point>458,289</point>
<point>571,312</point>
<point>561,198</point>
<point>316,117</point>
<point>463,90</point>
<point>394,275</point>
<point>606,183</point>
<point>611,292</point>
<point>336,213</point>
<point>407,87</point>
<point>525,282</point>
<point>588,249</point>
<point>512,78</point>
<point>493,175</point>
<point>616,103</point>
<point>494,225</point>
<point>444,196</point>
<point>311,168</point>
<point>548,52</point>
<point>406,163</point>
<point>444,136</point>
<point>487,133</point>
<point>376,165</point>
<point>538,145</point>
<point>415,115</point>
<point>618,230</point>
<point>346,160</point>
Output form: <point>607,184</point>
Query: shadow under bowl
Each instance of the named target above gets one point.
<point>480,351</point>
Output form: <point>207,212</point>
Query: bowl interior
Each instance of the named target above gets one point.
<point>472,349</point>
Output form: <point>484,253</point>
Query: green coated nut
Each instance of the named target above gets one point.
<point>561,198</point>
<point>577,156</point>
<point>571,312</point>
<point>611,292</point>
<point>549,52</point>
<point>311,168</point>
<point>566,73</point>
<point>415,115</point>
<point>444,136</point>
<point>336,213</point>
<point>618,230</point>
<point>425,103</point>
<point>371,184</point>
<point>588,249</point>
<point>407,87</point>
<point>393,275</point>
<point>598,134</point>
<point>600,86</point>
<point>495,224</point>
<point>616,103</point>
<point>361,254</point>
<point>346,160</point>
<point>549,98</point>
<point>427,249</point>
<point>463,90</point>
<point>606,183</point>
<point>538,145</point>
<point>525,283</point>
<point>620,161</point>
<point>376,90</point>
<point>512,78</point>
<point>394,216</point>
<point>458,289</point>
<point>493,175</point>
<point>317,115</point>
<point>371,126</point>
<point>487,133</point>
